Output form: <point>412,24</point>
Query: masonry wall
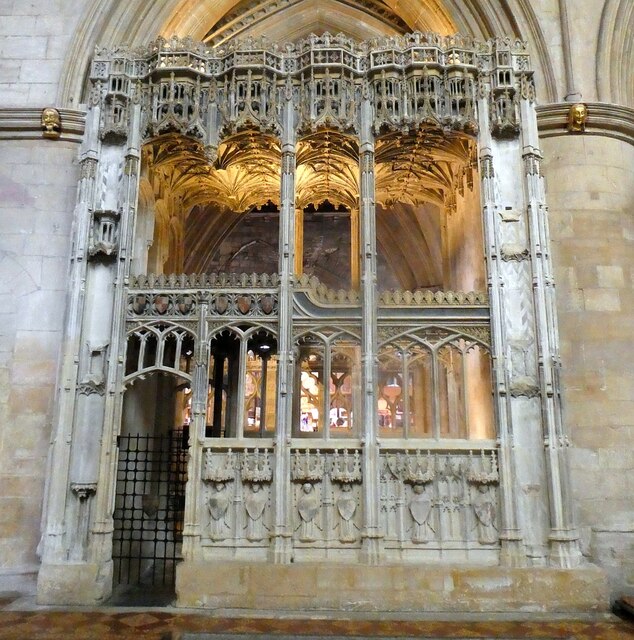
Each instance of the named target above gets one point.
<point>590,183</point>
<point>35,36</point>
<point>37,194</point>
<point>38,181</point>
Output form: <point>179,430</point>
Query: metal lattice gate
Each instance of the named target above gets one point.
<point>149,508</point>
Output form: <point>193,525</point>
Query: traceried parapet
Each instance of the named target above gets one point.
<point>415,80</point>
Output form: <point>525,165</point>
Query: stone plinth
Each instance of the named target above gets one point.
<point>313,587</point>
<point>68,584</point>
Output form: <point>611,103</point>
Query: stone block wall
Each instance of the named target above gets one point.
<point>37,195</point>
<point>35,36</point>
<point>590,191</point>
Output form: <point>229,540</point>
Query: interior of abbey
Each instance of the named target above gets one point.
<point>318,304</point>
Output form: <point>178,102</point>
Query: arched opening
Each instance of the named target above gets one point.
<point>242,384</point>
<point>328,382</point>
<point>199,216</point>
<point>152,461</point>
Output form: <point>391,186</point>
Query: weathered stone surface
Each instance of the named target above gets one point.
<point>81,584</point>
<point>33,311</point>
<point>593,264</point>
<point>313,587</point>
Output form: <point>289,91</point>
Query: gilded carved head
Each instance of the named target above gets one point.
<point>51,123</point>
<point>577,117</point>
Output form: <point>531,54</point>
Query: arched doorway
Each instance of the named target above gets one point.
<point>152,462</point>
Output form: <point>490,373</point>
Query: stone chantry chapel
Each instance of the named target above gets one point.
<point>318,304</point>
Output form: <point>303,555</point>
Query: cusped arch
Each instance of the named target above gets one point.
<point>158,347</point>
<point>242,330</point>
<point>326,335</point>
<point>450,334</point>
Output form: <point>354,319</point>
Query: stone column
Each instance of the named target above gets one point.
<point>281,543</point>
<point>298,248</point>
<point>127,204</point>
<point>371,534</point>
<point>564,539</point>
<point>512,548</point>
<point>103,241</point>
<point>590,181</point>
<point>355,256</point>
<point>200,381</point>
<point>52,545</point>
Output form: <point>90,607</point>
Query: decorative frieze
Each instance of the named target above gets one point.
<point>420,297</point>
<point>179,302</point>
<point>243,304</point>
<point>205,281</point>
<point>319,293</point>
<point>162,304</point>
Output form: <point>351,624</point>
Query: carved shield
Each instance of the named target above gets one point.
<point>255,503</point>
<point>244,304</point>
<point>222,303</point>
<point>346,506</point>
<point>267,303</point>
<point>139,304</point>
<point>485,512</point>
<point>420,508</point>
<point>161,304</point>
<point>218,505</point>
<point>185,304</point>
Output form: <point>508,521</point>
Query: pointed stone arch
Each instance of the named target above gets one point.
<point>615,53</point>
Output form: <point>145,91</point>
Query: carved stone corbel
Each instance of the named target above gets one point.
<point>345,467</point>
<point>256,466</point>
<point>524,387</point>
<point>307,466</point>
<point>51,123</point>
<point>218,472</point>
<point>83,490</point>
<point>513,252</point>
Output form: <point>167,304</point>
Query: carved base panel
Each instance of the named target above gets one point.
<point>448,553</point>
<point>340,586</point>
<point>80,583</point>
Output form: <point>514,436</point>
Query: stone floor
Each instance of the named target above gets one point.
<point>21,619</point>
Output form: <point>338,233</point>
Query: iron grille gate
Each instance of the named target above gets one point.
<point>149,508</point>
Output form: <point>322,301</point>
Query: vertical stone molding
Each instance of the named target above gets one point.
<point>371,534</point>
